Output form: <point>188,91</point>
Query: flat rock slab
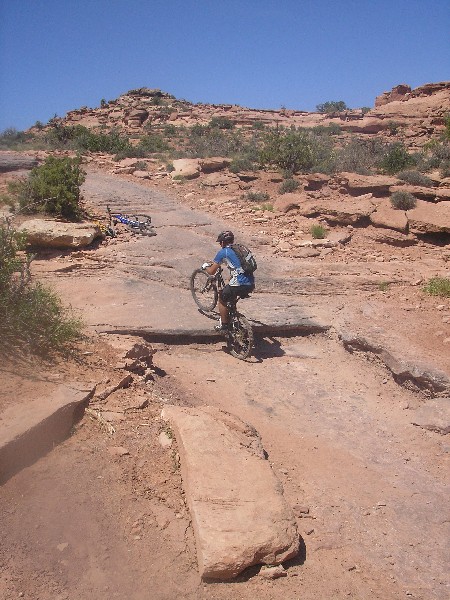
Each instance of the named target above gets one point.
<point>239,513</point>
<point>28,433</point>
<point>434,415</point>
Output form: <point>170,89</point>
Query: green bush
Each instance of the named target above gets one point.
<point>332,106</point>
<point>359,156</point>
<point>257,196</point>
<point>11,138</point>
<point>221,123</point>
<point>438,286</point>
<point>241,163</point>
<point>33,317</point>
<point>396,159</point>
<point>291,151</point>
<point>415,178</point>
<point>318,232</point>
<point>53,188</point>
<point>288,185</point>
<point>403,200</point>
<point>153,143</point>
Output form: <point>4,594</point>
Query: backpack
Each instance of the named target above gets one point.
<point>246,258</point>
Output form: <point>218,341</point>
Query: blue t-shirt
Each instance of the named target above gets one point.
<point>237,275</point>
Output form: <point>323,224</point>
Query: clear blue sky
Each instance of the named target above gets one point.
<point>58,55</point>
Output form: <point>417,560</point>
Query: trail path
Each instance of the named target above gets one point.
<point>369,487</point>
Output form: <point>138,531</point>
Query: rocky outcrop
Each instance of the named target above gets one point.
<point>387,216</point>
<point>356,185</point>
<point>14,161</point>
<point>56,234</point>
<point>188,168</point>
<point>397,93</point>
<point>238,511</point>
<point>429,218</point>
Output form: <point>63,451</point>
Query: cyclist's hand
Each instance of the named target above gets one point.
<point>206,265</point>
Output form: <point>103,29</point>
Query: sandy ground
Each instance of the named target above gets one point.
<point>103,514</point>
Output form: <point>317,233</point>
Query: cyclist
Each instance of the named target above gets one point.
<point>240,284</point>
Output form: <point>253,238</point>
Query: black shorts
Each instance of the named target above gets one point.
<point>232,292</point>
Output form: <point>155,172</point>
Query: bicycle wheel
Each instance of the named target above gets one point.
<point>204,290</point>
<point>240,337</point>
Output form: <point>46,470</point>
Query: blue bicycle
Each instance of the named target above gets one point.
<point>138,223</point>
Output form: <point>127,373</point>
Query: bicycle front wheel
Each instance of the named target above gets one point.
<point>240,337</point>
<point>204,290</point>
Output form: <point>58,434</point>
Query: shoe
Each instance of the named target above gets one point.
<point>222,327</point>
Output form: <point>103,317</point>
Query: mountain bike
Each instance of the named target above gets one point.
<point>138,223</point>
<point>205,290</point>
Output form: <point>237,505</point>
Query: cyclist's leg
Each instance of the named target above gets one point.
<point>226,294</point>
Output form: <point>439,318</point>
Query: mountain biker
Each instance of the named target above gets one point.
<point>240,284</point>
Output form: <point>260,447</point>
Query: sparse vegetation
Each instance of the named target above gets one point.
<point>12,139</point>
<point>33,317</point>
<point>359,156</point>
<point>256,196</point>
<point>415,178</point>
<point>332,106</point>
<point>291,151</point>
<point>221,123</point>
<point>318,232</point>
<point>53,188</point>
<point>403,200</point>
<point>288,185</point>
<point>438,286</point>
<point>396,159</point>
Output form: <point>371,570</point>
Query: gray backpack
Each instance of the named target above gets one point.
<point>247,260</point>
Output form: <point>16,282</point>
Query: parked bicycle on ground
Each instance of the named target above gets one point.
<point>205,290</point>
<point>137,223</point>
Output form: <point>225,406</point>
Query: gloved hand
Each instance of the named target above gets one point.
<point>206,265</point>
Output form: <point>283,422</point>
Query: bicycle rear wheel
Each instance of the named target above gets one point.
<point>204,290</point>
<point>240,337</point>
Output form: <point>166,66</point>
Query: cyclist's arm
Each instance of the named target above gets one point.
<point>212,269</point>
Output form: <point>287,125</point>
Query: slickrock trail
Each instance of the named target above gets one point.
<point>338,401</point>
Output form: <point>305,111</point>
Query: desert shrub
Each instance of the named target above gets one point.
<point>436,155</point>
<point>53,187</point>
<point>11,138</point>
<point>403,200</point>
<point>394,127</point>
<point>438,286</point>
<point>256,196</point>
<point>396,159</point>
<point>447,127</point>
<point>359,156</point>
<point>415,178</point>
<point>33,317</point>
<point>318,232</point>
<point>203,141</point>
<point>289,150</point>
<point>153,143</point>
<point>241,163</point>
<point>288,185</point>
<point>221,123</point>
<point>365,109</point>
<point>332,106</point>
<point>258,125</point>
<point>331,129</point>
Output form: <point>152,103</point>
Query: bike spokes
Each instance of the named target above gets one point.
<point>203,290</point>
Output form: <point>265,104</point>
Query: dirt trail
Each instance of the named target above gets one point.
<point>369,488</point>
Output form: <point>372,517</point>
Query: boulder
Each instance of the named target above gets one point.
<point>239,514</point>
<point>220,179</point>
<point>429,218</point>
<point>287,202</point>
<point>215,163</point>
<point>397,93</point>
<point>56,234</point>
<point>387,216</point>
<point>315,181</point>
<point>186,167</point>
<point>378,185</point>
<point>393,238</point>
<point>345,211</point>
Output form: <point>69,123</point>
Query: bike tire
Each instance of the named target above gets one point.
<point>240,337</point>
<point>204,290</point>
